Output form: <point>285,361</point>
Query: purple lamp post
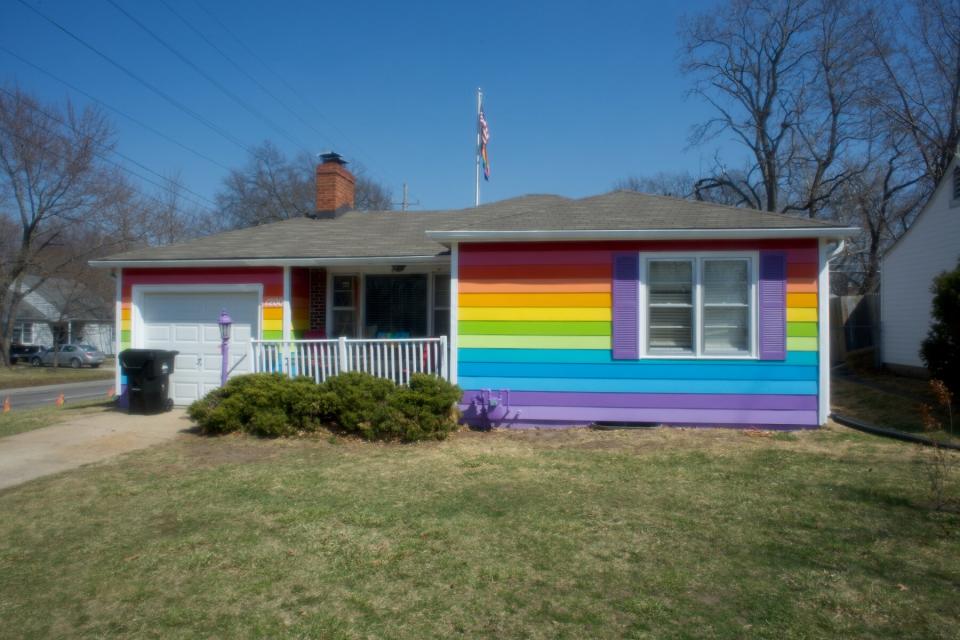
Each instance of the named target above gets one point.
<point>225,322</point>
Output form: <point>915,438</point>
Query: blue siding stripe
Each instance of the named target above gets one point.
<point>685,371</point>
<point>600,356</point>
<point>790,387</point>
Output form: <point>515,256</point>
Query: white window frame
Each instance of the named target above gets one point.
<point>356,307</point>
<point>23,326</point>
<point>432,302</point>
<point>698,258</point>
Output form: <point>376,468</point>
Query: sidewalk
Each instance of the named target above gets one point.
<point>91,438</point>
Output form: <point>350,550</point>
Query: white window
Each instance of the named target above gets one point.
<point>698,305</point>
<point>441,304</point>
<point>345,297</point>
<point>23,333</point>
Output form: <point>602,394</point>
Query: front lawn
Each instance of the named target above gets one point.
<point>29,419</point>
<point>577,534</point>
<point>24,375</point>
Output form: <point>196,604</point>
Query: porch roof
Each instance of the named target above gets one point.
<point>393,236</point>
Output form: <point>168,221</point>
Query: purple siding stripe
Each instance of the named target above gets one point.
<point>744,417</point>
<point>626,306</point>
<point>773,305</point>
<point>657,400</point>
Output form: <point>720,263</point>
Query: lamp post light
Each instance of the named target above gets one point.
<point>225,322</point>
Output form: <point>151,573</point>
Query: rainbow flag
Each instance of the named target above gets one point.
<point>484,139</point>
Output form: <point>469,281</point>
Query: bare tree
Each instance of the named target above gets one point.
<point>51,186</point>
<point>272,187</point>
<point>779,75</point>
<point>917,47</point>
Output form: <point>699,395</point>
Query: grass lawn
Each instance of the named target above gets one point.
<point>30,419</point>
<point>890,401</point>
<point>575,534</point>
<point>23,375</point>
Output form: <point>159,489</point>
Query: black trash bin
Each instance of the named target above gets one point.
<point>148,379</point>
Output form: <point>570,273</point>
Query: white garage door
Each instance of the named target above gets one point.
<point>187,322</point>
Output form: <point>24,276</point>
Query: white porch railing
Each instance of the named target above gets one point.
<point>393,359</point>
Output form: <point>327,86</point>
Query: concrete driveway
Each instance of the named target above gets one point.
<point>90,438</point>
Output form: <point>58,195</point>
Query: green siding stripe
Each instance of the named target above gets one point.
<point>527,328</point>
<point>801,344</point>
<point>125,336</point>
<point>534,342</point>
<point>802,329</point>
<point>273,335</point>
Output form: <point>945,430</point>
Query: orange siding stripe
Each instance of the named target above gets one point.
<point>542,285</point>
<point>535,271</point>
<point>801,300</point>
<point>535,300</point>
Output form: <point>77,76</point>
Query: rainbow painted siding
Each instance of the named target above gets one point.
<point>271,278</point>
<point>535,322</point>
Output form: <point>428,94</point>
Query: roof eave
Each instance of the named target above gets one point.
<point>271,262</point>
<point>641,234</point>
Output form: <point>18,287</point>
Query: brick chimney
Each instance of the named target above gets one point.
<point>334,186</point>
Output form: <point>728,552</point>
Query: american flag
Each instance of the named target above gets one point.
<point>484,139</point>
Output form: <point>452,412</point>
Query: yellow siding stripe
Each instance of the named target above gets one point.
<point>536,313</point>
<point>273,325</point>
<point>535,300</point>
<point>802,314</point>
<point>534,342</point>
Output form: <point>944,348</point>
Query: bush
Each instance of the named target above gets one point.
<point>359,399</point>
<point>264,404</point>
<point>425,410</point>
<point>941,349</point>
<point>272,405</point>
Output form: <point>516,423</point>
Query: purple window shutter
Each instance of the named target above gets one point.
<point>626,306</point>
<point>773,305</point>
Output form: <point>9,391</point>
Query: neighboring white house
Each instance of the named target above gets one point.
<point>930,246</point>
<point>68,309</point>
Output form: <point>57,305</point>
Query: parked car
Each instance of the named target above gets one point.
<point>24,352</point>
<point>70,355</point>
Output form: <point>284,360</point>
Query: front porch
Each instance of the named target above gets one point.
<point>370,302</point>
<point>390,321</point>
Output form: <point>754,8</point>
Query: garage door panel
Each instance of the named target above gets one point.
<point>158,332</point>
<point>186,332</point>
<point>187,322</point>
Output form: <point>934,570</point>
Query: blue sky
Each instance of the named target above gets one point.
<point>578,94</point>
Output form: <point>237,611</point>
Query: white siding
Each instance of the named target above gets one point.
<point>932,245</point>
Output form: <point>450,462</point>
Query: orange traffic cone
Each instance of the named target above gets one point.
<point>60,400</point>
<point>110,392</point>
<point>6,404</point>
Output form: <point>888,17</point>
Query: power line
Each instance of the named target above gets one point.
<point>179,105</point>
<point>244,72</point>
<point>60,121</point>
<point>290,87</point>
<point>190,63</point>
<point>103,157</point>
<point>116,110</point>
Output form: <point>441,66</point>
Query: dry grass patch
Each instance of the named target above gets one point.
<point>653,533</point>
<point>23,375</point>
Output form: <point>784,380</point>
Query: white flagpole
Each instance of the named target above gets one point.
<point>477,191</point>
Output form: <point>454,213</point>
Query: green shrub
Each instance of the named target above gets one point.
<point>264,404</point>
<point>272,405</point>
<point>358,398</point>
<point>424,410</point>
<point>941,349</point>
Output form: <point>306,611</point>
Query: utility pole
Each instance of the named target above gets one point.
<point>405,203</point>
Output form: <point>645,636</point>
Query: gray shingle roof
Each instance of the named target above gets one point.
<point>394,234</point>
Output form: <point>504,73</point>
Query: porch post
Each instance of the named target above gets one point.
<point>454,304</point>
<point>287,314</point>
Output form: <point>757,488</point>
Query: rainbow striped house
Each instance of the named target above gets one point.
<point>619,308</point>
